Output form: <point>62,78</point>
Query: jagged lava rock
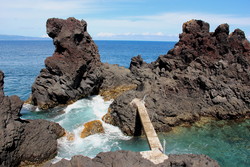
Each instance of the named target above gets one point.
<point>29,141</point>
<point>40,141</point>
<point>135,159</point>
<point>116,81</point>
<point>205,74</point>
<point>71,73</point>
<point>10,128</point>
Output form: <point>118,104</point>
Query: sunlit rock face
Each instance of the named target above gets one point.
<point>70,73</point>
<point>92,127</point>
<point>205,74</point>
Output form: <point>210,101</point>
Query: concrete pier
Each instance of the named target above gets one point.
<point>156,154</point>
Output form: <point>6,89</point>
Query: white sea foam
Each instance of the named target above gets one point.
<point>30,107</point>
<point>100,107</point>
<point>73,119</point>
<point>76,105</point>
<point>114,132</point>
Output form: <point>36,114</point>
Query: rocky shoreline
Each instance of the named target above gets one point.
<point>24,141</point>
<point>33,142</point>
<point>205,74</point>
<point>135,159</point>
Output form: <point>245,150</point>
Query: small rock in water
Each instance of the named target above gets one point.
<point>70,136</point>
<point>91,128</point>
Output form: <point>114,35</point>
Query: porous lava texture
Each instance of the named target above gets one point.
<point>26,141</point>
<point>71,73</point>
<point>135,159</point>
<point>205,74</point>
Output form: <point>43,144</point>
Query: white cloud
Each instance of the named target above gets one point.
<point>28,17</point>
<point>108,34</point>
<point>39,5</point>
<point>105,34</point>
<point>45,36</point>
<point>159,36</point>
<point>211,18</point>
<point>46,8</point>
<point>165,24</point>
<point>152,34</point>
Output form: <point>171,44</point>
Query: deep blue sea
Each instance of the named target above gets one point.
<point>226,141</point>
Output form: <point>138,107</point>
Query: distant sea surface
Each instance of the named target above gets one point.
<point>226,141</point>
<point>22,60</point>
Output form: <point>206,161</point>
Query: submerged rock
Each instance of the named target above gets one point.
<point>135,159</point>
<point>71,73</point>
<point>92,127</point>
<point>205,74</point>
<point>28,141</point>
<point>70,136</point>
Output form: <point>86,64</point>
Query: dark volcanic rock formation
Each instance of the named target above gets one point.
<point>205,74</point>
<point>134,159</point>
<point>71,73</point>
<point>116,81</point>
<point>30,141</point>
<point>10,127</point>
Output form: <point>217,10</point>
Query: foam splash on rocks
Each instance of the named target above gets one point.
<point>30,107</point>
<point>73,118</point>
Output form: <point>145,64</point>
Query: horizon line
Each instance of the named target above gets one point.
<point>33,38</point>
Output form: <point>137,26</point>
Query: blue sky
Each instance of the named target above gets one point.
<point>123,19</point>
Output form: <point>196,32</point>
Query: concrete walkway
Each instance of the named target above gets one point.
<point>156,154</point>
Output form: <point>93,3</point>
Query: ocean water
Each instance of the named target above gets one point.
<point>226,141</point>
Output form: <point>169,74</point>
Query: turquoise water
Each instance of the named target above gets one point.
<point>226,141</point>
